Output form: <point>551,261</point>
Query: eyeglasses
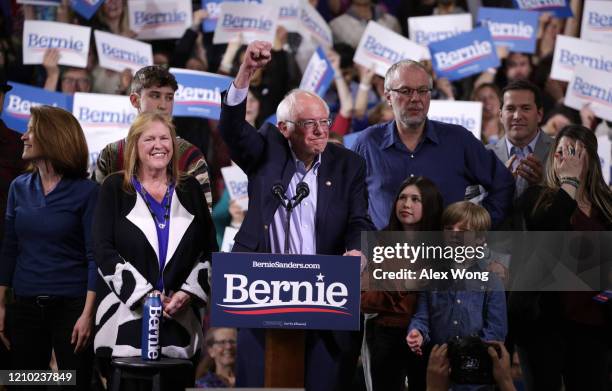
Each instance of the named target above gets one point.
<point>310,124</point>
<point>231,342</point>
<point>406,91</point>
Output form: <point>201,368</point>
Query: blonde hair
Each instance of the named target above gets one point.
<point>131,162</point>
<point>474,216</point>
<point>60,139</point>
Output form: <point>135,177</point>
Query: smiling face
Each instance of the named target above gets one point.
<point>490,102</point>
<point>409,207</point>
<point>307,142</point>
<point>520,116</point>
<point>155,147</point>
<point>223,347</point>
<point>409,111</point>
<point>31,150</point>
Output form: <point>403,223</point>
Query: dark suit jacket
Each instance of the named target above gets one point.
<point>265,156</point>
<point>342,213</point>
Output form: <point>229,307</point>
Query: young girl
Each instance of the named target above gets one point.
<point>417,207</point>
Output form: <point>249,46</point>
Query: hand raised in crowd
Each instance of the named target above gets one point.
<point>531,169</point>
<point>51,60</point>
<point>501,366</point>
<point>570,159</point>
<point>334,59</point>
<point>280,38</point>
<point>415,341</point>
<point>366,74</point>
<point>198,18</point>
<point>587,116</point>
<point>438,369</point>
<point>258,55</point>
<point>175,303</point>
<point>81,332</point>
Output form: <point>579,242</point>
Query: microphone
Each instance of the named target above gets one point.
<point>278,190</point>
<point>302,191</point>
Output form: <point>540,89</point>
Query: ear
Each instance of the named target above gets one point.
<point>388,98</point>
<point>135,101</point>
<point>540,115</point>
<point>284,128</point>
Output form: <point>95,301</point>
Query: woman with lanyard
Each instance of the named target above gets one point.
<point>152,232</point>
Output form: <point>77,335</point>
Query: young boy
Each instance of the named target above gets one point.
<point>463,306</point>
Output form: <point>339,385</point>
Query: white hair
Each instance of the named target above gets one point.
<point>288,108</point>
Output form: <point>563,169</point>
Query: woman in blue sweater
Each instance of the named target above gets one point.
<point>46,254</point>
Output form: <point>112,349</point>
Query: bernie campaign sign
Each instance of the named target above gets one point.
<point>464,113</point>
<point>464,55</point>
<point>559,8</point>
<point>597,21</point>
<point>86,8</point>
<point>104,119</point>
<point>72,42</point>
<point>255,22</point>
<point>427,29</point>
<point>382,48</point>
<point>313,26</point>
<point>118,53</point>
<point>318,75</point>
<point>514,29</point>
<point>19,100</point>
<point>571,52</point>
<point>198,93</point>
<point>592,87</point>
<point>237,185</point>
<point>288,13</point>
<point>159,19</point>
<point>285,291</point>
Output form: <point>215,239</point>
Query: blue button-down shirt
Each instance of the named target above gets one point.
<point>302,238</point>
<point>468,307</point>
<point>448,154</point>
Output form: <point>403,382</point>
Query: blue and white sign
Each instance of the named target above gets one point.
<point>288,14</point>
<point>255,22</point>
<point>318,75</point>
<point>237,185</point>
<point>104,119</point>
<point>560,8</point>
<point>198,94</point>
<point>515,29</point>
<point>212,7</point>
<point>71,40</point>
<point>597,21</point>
<point>159,19</point>
<point>19,100</point>
<point>381,47</point>
<point>427,29</point>
<point>464,55</point>
<point>571,52</point>
<point>118,53</point>
<point>86,8</point>
<point>313,26</point>
<point>285,291</point>
<point>592,87</point>
<point>464,113</point>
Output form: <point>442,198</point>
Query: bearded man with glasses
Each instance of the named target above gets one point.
<point>413,145</point>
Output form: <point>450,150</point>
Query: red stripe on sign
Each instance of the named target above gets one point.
<point>285,311</point>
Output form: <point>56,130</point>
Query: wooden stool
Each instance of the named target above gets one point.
<point>137,368</point>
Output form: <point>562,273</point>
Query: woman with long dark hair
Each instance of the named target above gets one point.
<point>417,207</point>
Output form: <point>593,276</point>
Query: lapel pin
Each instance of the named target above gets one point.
<point>328,183</point>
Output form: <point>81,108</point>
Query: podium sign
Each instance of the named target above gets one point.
<point>277,291</point>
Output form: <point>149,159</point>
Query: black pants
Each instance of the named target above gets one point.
<point>573,353</point>
<point>391,360</point>
<point>38,326</point>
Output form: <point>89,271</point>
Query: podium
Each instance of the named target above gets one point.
<point>285,295</point>
<point>284,366</point>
